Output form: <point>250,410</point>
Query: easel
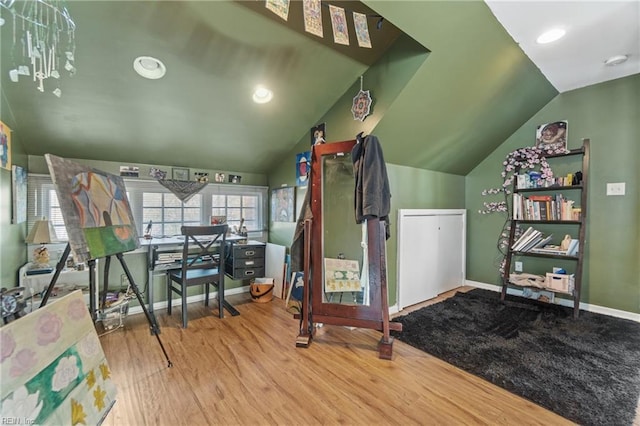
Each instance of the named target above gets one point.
<point>92,287</point>
<point>375,315</point>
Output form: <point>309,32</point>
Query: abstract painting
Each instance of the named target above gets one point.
<point>95,209</point>
<point>5,146</point>
<point>53,368</point>
<point>19,181</point>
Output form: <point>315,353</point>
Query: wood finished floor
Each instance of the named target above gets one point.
<point>246,370</point>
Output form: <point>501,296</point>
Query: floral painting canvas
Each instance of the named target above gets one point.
<point>95,208</point>
<point>54,370</point>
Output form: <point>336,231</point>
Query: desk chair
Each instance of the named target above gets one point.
<point>202,263</point>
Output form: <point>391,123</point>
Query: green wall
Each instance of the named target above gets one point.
<point>13,251</point>
<point>606,113</point>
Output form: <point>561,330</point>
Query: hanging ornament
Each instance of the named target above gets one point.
<point>361,104</point>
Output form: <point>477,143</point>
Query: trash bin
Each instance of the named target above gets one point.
<point>261,290</point>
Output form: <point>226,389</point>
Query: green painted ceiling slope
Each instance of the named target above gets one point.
<point>475,89</point>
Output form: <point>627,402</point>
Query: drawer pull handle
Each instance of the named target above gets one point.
<point>249,253</point>
<point>249,272</point>
<point>249,262</point>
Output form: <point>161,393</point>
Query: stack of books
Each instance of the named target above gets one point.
<point>530,239</point>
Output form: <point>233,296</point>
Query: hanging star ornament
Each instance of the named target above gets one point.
<point>361,104</point>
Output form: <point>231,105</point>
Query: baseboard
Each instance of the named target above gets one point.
<point>563,302</point>
<point>393,309</point>
<point>190,299</point>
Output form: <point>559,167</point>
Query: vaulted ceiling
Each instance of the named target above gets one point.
<point>474,89</point>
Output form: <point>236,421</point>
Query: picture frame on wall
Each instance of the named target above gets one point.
<point>283,204</point>
<point>19,189</point>
<point>319,134</point>
<point>179,173</point>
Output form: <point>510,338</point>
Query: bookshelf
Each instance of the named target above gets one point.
<point>550,206</point>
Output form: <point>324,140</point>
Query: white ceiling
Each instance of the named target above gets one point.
<point>596,31</point>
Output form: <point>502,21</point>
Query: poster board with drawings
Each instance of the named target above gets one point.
<point>95,209</point>
<point>341,275</point>
<point>53,368</point>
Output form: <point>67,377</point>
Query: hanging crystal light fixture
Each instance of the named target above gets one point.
<point>43,40</point>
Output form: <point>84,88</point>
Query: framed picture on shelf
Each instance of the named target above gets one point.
<point>282,204</point>
<point>179,173</point>
<point>552,136</point>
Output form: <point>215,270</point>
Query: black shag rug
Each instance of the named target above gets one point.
<point>586,370</point>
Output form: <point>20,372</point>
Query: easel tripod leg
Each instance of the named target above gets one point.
<point>152,323</point>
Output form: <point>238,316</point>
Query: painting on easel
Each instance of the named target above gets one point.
<point>95,209</point>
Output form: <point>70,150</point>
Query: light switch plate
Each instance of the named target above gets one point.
<point>617,188</point>
<point>518,266</point>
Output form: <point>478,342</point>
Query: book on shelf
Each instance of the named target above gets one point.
<point>550,249</point>
<point>524,238</point>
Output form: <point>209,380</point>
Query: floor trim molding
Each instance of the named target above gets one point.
<point>564,302</point>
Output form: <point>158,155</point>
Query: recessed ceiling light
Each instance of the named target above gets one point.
<point>262,95</point>
<point>551,35</point>
<point>149,67</point>
<point>616,60</point>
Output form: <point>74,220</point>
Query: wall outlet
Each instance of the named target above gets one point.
<point>617,188</point>
<point>518,266</point>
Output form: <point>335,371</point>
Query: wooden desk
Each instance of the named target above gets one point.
<point>156,246</point>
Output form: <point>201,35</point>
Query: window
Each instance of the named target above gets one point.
<point>150,201</point>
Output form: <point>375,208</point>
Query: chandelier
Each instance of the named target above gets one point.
<point>43,35</point>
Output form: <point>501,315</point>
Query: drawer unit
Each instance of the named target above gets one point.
<point>244,260</point>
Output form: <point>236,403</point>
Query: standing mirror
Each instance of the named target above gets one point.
<point>346,274</point>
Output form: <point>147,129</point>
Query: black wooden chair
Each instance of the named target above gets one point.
<point>202,264</point>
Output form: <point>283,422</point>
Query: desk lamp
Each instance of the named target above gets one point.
<point>42,233</point>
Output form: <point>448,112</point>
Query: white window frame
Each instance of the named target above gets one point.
<point>39,204</point>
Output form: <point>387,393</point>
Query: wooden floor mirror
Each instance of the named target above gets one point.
<point>345,262</point>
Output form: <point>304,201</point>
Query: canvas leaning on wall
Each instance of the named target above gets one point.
<point>53,368</point>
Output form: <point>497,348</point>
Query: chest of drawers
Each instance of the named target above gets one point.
<point>244,260</point>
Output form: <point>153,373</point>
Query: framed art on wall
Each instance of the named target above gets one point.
<point>19,181</point>
<point>179,173</point>
<point>282,204</point>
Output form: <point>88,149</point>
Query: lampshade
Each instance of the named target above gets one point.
<point>42,233</point>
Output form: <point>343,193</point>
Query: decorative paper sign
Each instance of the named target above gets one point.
<point>19,194</point>
<point>5,146</point>
<point>361,105</point>
<point>341,275</point>
<point>552,137</point>
<point>313,17</point>
<point>303,167</point>
<point>362,29</point>
<point>53,368</point>
<point>279,7</point>
<point>339,24</point>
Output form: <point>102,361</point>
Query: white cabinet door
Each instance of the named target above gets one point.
<point>450,252</point>
<point>417,259</point>
<point>431,253</point>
